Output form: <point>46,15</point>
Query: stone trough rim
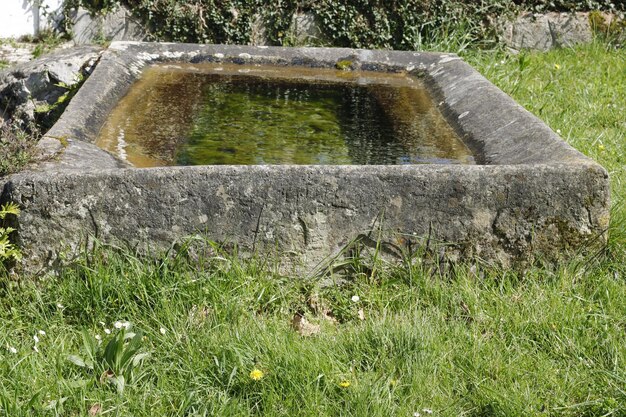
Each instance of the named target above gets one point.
<point>62,146</point>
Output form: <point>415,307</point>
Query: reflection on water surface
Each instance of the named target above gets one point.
<point>208,114</point>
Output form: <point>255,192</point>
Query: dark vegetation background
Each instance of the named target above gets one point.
<point>397,24</point>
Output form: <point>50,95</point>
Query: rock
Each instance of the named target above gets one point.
<point>258,32</point>
<point>546,31</point>
<point>118,25</point>
<point>304,29</point>
<point>14,52</point>
<point>30,90</point>
<point>305,328</point>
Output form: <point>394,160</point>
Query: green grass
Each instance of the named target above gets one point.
<point>468,341</point>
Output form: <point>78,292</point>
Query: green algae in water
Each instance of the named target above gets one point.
<point>207,114</point>
<point>254,123</point>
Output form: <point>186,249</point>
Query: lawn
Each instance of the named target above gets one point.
<point>220,336</point>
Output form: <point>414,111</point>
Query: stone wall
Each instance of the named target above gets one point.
<point>551,30</point>
<point>528,31</point>
<point>119,25</point>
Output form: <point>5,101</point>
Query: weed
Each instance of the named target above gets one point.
<point>117,363</point>
<point>8,250</point>
<point>15,148</point>
<point>46,114</point>
<point>46,41</point>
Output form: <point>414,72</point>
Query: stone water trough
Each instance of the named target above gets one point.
<point>528,195</point>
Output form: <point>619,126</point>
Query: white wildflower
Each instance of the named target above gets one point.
<point>41,332</point>
<point>36,339</point>
<point>107,331</point>
<point>98,337</point>
<point>35,348</point>
<point>121,324</point>
<point>12,350</point>
<point>427,411</point>
<point>162,330</point>
<point>60,306</point>
<point>355,298</point>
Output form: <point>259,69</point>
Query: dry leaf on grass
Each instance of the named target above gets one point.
<point>302,325</point>
<point>198,315</point>
<point>467,314</point>
<point>95,410</point>
<point>106,375</point>
<point>319,308</point>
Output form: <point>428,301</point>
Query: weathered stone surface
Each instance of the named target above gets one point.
<point>305,30</point>
<point>493,212</point>
<point>118,25</point>
<point>16,53</point>
<point>546,31</point>
<point>258,33</point>
<point>26,87</point>
<point>533,196</point>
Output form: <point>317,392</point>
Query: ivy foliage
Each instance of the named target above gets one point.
<point>407,24</point>
<point>204,21</point>
<point>397,24</point>
<point>572,5</point>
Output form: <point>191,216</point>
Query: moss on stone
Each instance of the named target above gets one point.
<point>344,65</point>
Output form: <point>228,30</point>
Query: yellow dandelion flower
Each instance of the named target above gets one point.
<point>256,374</point>
<point>557,67</point>
<point>601,147</point>
<point>344,384</point>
